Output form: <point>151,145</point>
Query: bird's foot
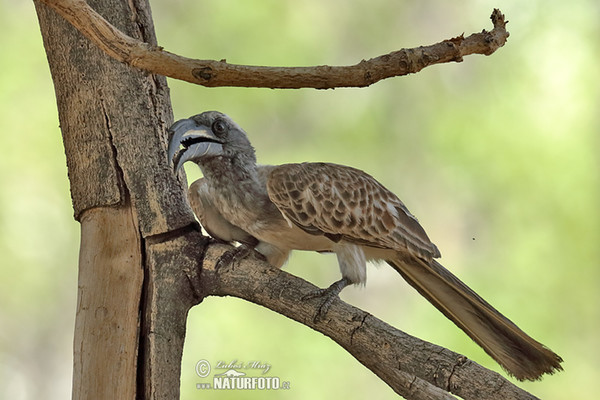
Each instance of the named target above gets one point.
<point>237,254</point>
<point>328,295</point>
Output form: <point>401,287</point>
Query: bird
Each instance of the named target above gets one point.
<point>331,208</point>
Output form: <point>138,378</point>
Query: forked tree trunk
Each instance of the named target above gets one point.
<point>141,254</point>
<point>128,334</point>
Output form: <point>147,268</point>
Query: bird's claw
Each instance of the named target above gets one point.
<point>236,254</point>
<point>328,295</point>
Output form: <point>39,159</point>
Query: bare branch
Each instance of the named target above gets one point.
<point>412,367</point>
<point>219,73</point>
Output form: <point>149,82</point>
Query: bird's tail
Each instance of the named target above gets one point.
<point>519,354</point>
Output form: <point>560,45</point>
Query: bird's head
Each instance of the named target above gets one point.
<point>206,136</point>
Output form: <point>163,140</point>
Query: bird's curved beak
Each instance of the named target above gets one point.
<point>191,141</point>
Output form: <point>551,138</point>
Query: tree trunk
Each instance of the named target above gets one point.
<point>128,334</point>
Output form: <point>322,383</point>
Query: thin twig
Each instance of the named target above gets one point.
<point>219,73</point>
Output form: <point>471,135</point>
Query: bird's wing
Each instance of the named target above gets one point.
<point>210,218</point>
<point>345,203</point>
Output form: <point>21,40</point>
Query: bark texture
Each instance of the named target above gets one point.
<point>113,120</point>
<point>173,265</point>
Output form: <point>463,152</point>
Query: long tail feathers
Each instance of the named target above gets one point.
<point>519,354</point>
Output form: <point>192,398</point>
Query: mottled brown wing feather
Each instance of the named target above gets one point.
<point>346,203</point>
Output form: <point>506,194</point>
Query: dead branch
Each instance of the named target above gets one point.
<point>212,73</point>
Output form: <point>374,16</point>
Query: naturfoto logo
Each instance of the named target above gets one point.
<point>238,375</point>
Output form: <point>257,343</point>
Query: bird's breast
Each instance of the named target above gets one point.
<point>283,236</point>
<point>253,212</point>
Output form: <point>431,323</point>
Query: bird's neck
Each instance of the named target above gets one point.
<point>238,192</point>
<point>234,176</point>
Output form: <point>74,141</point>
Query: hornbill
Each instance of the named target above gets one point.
<point>327,207</point>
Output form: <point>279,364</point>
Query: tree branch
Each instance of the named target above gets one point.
<point>219,73</point>
<point>412,367</point>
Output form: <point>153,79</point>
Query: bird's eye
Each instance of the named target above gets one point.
<point>219,127</point>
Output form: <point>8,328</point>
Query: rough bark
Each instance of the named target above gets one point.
<point>113,120</point>
<point>174,262</point>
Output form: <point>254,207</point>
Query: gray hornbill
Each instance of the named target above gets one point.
<point>333,208</point>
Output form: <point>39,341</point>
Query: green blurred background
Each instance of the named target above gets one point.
<point>497,156</point>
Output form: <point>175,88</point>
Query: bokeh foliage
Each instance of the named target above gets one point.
<point>497,156</point>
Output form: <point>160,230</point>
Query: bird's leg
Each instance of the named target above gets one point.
<point>237,254</point>
<point>328,295</point>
